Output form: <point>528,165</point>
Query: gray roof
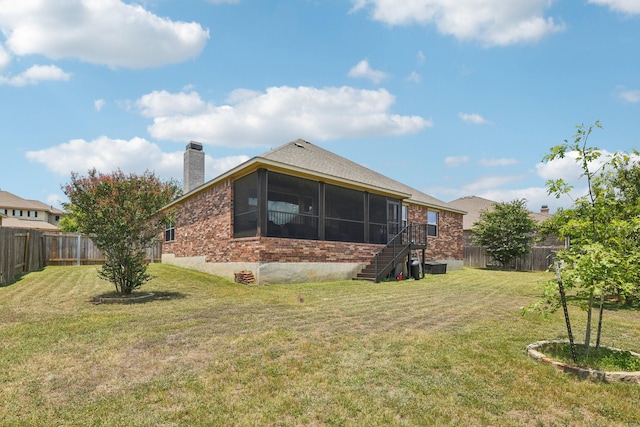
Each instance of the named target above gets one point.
<point>11,201</point>
<point>474,205</point>
<point>309,157</point>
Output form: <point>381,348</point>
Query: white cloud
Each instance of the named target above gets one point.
<point>493,22</point>
<point>108,32</point>
<point>535,197</point>
<point>490,182</point>
<point>498,162</point>
<point>135,155</point>
<point>455,161</point>
<point>631,96</point>
<point>278,115</point>
<point>163,103</point>
<point>36,74</point>
<point>98,104</point>
<point>624,6</point>
<point>363,69</point>
<point>474,118</point>
<point>5,58</point>
<point>566,168</point>
<point>414,77</point>
<point>421,57</point>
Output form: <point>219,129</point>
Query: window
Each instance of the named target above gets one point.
<point>170,231</point>
<point>405,215</point>
<point>344,213</point>
<point>377,219</point>
<point>245,206</point>
<point>280,205</point>
<point>292,206</point>
<point>432,223</point>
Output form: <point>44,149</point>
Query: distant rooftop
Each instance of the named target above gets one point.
<point>474,205</point>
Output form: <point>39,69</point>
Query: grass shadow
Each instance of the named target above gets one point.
<point>136,297</point>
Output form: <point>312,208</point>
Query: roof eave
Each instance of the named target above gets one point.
<point>255,163</point>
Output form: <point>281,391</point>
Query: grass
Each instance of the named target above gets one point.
<point>445,350</point>
<point>603,359</point>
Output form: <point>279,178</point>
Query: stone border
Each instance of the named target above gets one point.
<point>115,299</point>
<point>584,373</point>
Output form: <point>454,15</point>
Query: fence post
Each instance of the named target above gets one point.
<point>78,248</point>
<point>25,260</point>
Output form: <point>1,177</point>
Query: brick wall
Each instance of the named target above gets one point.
<point>448,244</point>
<point>204,227</point>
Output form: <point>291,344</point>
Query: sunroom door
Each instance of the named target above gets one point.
<point>393,219</point>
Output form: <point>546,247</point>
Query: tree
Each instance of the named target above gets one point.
<point>506,232</point>
<point>602,226</point>
<point>120,212</point>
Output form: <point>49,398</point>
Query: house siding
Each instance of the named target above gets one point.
<point>447,245</point>
<point>204,241</point>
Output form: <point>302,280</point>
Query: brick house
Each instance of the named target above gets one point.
<point>300,213</point>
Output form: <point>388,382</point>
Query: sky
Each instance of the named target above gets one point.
<point>452,98</point>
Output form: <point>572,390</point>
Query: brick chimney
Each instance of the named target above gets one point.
<point>193,167</point>
<point>544,210</point>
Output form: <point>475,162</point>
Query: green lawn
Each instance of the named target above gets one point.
<point>445,350</point>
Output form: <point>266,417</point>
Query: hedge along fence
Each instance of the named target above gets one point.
<point>538,259</point>
<point>23,251</point>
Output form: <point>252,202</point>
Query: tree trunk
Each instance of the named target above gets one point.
<point>600,322</point>
<point>587,335</point>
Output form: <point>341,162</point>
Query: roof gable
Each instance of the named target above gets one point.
<point>304,158</point>
<point>307,156</point>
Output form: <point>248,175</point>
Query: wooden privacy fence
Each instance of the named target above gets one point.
<point>76,249</point>
<point>23,251</point>
<point>538,259</point>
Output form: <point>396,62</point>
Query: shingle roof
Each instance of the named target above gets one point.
<point>11,201</point>
<point>311,160</point>
<point>305,155</point>
<point>11,222</point>
<point>473,205</point>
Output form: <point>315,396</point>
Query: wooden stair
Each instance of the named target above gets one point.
<point>383,263</point>
<point>411,237</point>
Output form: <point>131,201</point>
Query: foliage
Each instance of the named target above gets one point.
<point>69,223</point>
<point>120,212</point>
<point>506,232</point>
<point>603,358</point>
<point>602,226</point>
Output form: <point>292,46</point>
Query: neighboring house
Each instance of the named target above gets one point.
<point>475,205</point>
<point>29,214</point>
<point>300,213</point>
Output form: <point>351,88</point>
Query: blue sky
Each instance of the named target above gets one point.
<point>453,98</point>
